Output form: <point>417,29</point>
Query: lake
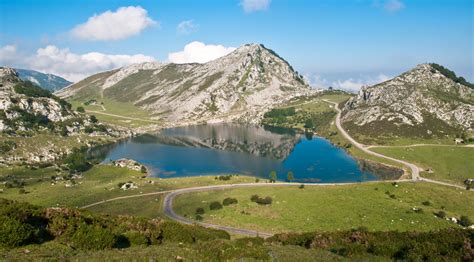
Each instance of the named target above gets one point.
<point>239,149</point>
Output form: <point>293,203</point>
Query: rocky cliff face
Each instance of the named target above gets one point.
<point>29,113</point>
<point>422,98</point>
<point>239,86</point>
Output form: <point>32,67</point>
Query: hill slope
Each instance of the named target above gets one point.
<point>240,86</point>
<point>421,103</point>
<point>47,81</point>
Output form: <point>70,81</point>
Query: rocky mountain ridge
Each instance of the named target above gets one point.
<point>240,86</point>
<point>420,98</point>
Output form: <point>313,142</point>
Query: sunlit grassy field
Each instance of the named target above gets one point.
<point>99,183</point>
<point>451,164</point>
<point>332,208</point>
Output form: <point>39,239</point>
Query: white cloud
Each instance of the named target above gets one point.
<point>198,52</point>
<point>75,67</point>
<point>354,85</point>
<point>123,23</point>
<point>390,5</point>
<point>65,63</point>
<point>8,55</point>
<point>316,81</point>
<point>186,27</point>
<point>255,5</point>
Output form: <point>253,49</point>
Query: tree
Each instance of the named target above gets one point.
<point>309,123</point>
<point>143,169</point>
<point>81,109</point>
<point>93,119</point>
<point>215,205</point>
<point>77,162</point>
<point>199,211</point>
<point>290,176</point>
<point>273,176</point>
<point>229,201</point>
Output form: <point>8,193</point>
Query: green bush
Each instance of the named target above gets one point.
<point>91,237</point>
<point>14,233</point>
<point>199,211</point>
<point>136,238</point>
<point>81,109</point>
<point>261,201</point>
<point>77,161</point>
<point>29,89</point>
<point>465,221</point>
<point>229,201</point>
<point>215,205</point>
<point>6,146</point>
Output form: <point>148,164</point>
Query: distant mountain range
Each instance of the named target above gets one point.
<point>240,86</point>
<point>426,101</point>
<point>47,81</point>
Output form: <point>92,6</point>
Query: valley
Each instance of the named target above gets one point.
<point>296,161</point>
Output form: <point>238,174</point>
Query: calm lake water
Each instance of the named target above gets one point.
<point>238,149</point>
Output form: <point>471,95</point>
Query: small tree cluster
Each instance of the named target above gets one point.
<point>215,205</point>
<point>229,201</point>
<point>261,201</point>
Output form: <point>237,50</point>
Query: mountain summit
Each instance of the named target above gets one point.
<point>239,86</point>
<point>427,100</point>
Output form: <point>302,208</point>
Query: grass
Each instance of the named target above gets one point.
<point>332,208</point>
<point>99,183</point>
<point>164,252</point>
<point>451,164</point>
<point>124,109</point>
<point>45,142</point>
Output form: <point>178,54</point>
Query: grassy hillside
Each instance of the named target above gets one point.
<point>451,164</point>
<point>381,206</point>
<point>99,183</point>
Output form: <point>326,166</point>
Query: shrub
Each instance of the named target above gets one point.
<point>426,203</point>
<point>199,211</point>
<point>29,89</point>
<point>440,214</point>
<point>93,119</point>
<point>136,238</point>
<point>90,237</point>
<point>81,109</point>
<point>215,205</point>
<point>229,201</point>
<point>301,186</point>
<point>280,112</point>
<point>261,201</point>
<point>254,198</point>
<point>198,217</point>
<point>77,162</point>
<point>143,170</point>
<point>14,233</point>
<point>465,221</point>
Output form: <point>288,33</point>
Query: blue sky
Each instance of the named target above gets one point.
<point>332,42</point>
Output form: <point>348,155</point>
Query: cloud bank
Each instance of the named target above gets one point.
<point>198,52</point>
<point>349,84</point>
<point>123,23</point>
<point>67,64</point>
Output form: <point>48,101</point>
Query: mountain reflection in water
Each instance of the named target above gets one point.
<point>238,149</point>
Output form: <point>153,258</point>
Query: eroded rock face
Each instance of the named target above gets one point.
<point>241,86</point>
<point>409,98</point>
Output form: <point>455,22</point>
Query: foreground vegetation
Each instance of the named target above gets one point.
<point>377,206</point>
<point>450,164</point>
<point>31,232</point>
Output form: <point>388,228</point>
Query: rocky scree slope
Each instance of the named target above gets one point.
<point>422,102</point>
<point>27,110</point>
<point>240,86</point>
